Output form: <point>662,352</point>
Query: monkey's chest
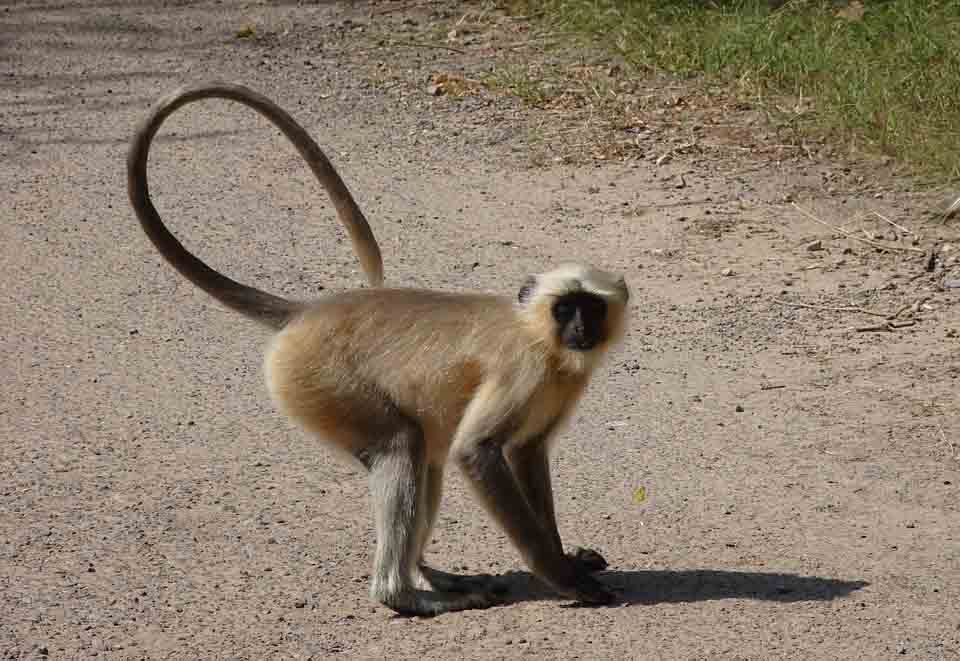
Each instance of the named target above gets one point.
<point>549,408</point>
<point>438,401</point>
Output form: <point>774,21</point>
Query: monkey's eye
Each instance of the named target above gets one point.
<point>596,307</point>
<point>562,310</point>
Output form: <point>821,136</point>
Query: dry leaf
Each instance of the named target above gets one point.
<point>852,12</point>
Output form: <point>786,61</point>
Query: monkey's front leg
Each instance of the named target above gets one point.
<point>485,467</point>
<point>530,464</point>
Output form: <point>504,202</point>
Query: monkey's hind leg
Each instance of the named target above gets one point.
<point>398,476</point>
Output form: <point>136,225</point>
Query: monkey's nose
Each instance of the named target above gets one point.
<point>585,343</point>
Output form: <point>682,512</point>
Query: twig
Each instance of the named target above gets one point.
<point>915,307</point>
<point>888,326</point>
<point>930,261</point>
<point>875,244</point>
<point>951,446</point>
<point>897,225</point>
<point>530,41</point>
<point>675,150</point>
<point>421,44</point>
<point>952,209</point>
<point>389,10</point>
<point>771,387</point>
<point>848,308</point>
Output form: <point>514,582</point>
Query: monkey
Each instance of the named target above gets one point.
<point>404,381</point>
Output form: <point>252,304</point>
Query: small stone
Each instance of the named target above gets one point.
<point>727,272</point>
<point>299,603</point>
<point>739,409</point>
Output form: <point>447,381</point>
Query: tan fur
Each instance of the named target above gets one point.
<point>438,350</point>
<point>400,379</point>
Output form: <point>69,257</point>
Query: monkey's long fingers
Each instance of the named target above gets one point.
<point>592,591</point>
<point>587,561</point>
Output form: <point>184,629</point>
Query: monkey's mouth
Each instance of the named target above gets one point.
<point>581,344</point>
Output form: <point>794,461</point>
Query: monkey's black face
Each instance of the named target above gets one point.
<point>580,320</point>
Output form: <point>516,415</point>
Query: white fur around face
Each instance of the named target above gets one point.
<point>573,276</point>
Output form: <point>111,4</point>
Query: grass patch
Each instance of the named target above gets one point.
<point>884,75</point>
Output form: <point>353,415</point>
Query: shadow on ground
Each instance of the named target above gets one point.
<point>692,585</point>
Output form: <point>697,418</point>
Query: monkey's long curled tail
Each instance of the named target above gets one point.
<point>271,310</point>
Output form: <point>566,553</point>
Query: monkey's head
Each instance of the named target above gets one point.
<point>579,309</point>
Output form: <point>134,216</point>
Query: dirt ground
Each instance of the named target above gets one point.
<point>802,476</point>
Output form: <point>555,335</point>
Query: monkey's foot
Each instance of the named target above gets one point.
<point>428,603</point>
<point>587,561</point>
<point>434,579</point>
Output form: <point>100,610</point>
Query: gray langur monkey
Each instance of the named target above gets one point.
<point>401,379</point>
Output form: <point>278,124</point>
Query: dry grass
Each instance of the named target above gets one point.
<point>879,77</point>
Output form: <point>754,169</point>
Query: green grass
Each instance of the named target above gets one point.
<point>887,79</point>
<point>518,80</point>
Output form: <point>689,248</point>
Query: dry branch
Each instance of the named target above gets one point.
<point>849,234</point>
<point>827,308</point>
<point>888,326</point>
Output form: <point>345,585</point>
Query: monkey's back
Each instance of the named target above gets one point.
<point>355,357</point>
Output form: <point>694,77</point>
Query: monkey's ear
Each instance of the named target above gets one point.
<point>622,286</point>
<point>526,291</point>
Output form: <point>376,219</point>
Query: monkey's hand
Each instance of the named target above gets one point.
<point>591,591</point>
<point>586,561</point>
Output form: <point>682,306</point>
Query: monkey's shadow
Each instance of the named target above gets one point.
<point>664,586</point>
